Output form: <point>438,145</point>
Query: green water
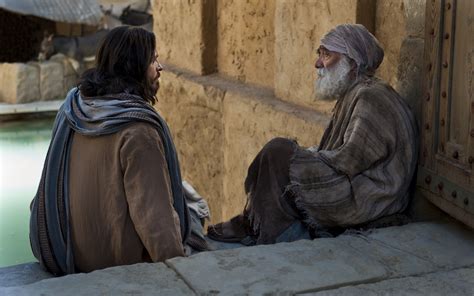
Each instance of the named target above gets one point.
<point>23,147</point>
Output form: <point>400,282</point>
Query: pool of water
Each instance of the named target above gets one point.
<point>23,147</point>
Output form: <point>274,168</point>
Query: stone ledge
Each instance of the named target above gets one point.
<point>397,262</point>
<point>253,92</point>
<point>49,106</point>
<point>323,264</point>
<point>22,274</point>
<point>454,282</point>
<point>280,268</point>
<point>395,259</point>
<point>446,245</point>
<point>143,278</point>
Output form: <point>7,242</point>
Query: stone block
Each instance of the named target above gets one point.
<point>186,33</point>
<point>299,27</point>
<point>22,274</point>
<point>396,262</point>
<point>70,73</point>
<point>193,110</point>
<point>19,83</point>
<point>246,40</point>
<point>136,279</point>
<point>445,245</point>
<point>455,282</point>
<point>51,80</point>
<point>68,68</point>
<point>281,268</point>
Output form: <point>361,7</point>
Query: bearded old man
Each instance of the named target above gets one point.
<point>360,172</point>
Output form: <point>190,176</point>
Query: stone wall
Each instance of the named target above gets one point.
<point>241,73</point>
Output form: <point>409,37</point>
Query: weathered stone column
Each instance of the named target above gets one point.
<point>403,41</point>
<point>186,33</point>
<point>187,41</point>
<point>246,40</point>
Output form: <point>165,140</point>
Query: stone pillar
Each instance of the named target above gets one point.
<point>193,110</point>
<point>186,33</point>
<point>246,40</point>
<point>403,41</point>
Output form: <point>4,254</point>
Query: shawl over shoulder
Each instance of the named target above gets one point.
<point>49,221</point>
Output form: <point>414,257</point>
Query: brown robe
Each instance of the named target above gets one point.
<point>121,208</point>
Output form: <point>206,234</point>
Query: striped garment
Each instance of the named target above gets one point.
<point>365,162</point>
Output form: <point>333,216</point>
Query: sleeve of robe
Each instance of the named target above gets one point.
<point>148,190</point>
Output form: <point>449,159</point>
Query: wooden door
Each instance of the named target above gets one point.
<point>447,146</point>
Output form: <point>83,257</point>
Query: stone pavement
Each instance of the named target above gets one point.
<point>428,258</point>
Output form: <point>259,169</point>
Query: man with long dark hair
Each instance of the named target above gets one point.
<point>111,192</point>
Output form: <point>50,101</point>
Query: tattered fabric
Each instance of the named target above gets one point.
<point>365,162</point>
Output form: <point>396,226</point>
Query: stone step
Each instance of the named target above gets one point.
<point>458,282</point>
<point>143,278</point>
<point>378,259</point>
<point>22,274</point>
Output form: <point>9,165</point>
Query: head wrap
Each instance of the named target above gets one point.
<point>357,43</point>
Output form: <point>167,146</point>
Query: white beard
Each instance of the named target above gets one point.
<point>333,83</point>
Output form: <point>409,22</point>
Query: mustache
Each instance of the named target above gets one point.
<point>321,72</point>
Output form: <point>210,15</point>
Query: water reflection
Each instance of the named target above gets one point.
<point>23,147</point>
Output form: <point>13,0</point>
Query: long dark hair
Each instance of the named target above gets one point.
<point>121,65</point>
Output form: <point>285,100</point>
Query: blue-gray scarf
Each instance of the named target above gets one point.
<point>49,222</point>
